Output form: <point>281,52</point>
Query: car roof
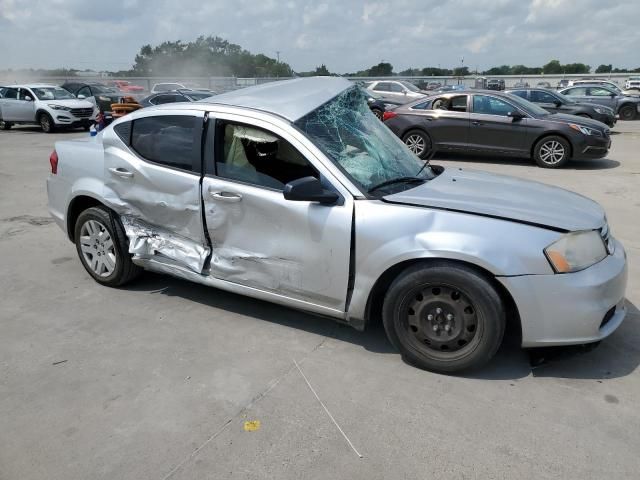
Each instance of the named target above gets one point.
<point>291,99</point>
<point>32,85</point>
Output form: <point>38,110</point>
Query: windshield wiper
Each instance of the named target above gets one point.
<point>397,180</point>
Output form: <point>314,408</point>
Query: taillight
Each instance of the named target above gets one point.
<point>53,160</point>
<point>387,115</point>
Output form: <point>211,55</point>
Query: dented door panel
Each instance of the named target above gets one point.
<point>160,207</point>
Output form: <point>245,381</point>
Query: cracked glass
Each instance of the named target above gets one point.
<point>353,138</point>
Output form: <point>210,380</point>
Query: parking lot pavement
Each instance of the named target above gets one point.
<point>156,380</point>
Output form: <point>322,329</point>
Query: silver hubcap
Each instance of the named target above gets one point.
<point>416,144</point>
<point>44,122</point>
<point>97,248</point>
<point>552,152</point>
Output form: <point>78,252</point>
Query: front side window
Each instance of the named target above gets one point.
<point>491,105</point>
<point>600,92</point>
<point>24,93</point>
<point>575,92</point>
<point>520,93</point>
<point>397,88</point>
<point>359,144</point>
<point>169,140</point>
<point>539,96</point>
<point>252,155</point>
<point>86,91</point>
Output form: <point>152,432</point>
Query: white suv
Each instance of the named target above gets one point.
<point>46,105</point>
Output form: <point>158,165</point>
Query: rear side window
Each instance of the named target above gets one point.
<point>382,87</point>
<point>538,96</point>
<point>11,93</point>
<point>169,140</point>
<point>520,93</point>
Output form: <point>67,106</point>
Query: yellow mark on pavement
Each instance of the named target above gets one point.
<point>252,425</point>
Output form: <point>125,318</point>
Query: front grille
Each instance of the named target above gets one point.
<point>82,112</point>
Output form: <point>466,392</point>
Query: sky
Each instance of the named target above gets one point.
<point>345,35</point>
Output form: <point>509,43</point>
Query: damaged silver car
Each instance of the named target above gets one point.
<point>295,193</point>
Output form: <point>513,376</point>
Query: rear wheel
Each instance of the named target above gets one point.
<point>418,142</point>
<point>377,112</point>
<point>444,317</point>
<point>627,112</point>
<point>46,123</point>
<point>552,152</point>
<point>103,247</point>
<point>5,125</point>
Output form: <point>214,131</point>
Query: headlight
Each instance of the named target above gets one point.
<point>602,111</point>
<point>585,130</point>
<point>59,107</point>
<point>576,251</point>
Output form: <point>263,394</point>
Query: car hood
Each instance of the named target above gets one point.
<point>505,197</point>
<point>587,122</point>
<point>71,103</point>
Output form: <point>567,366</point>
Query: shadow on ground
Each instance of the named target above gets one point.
<point>616,356</point>
<point>598,164</point>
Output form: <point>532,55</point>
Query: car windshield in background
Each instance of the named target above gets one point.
<point>166,87</point>
<point>52,93</point>
<point>410,86</point>
<point>198,96</point>
<point>527,106</point>
<point>361,145</point>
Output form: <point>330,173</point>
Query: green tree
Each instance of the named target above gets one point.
<point>553,67</point>
<point>383,69</point>
<point>604,68</point>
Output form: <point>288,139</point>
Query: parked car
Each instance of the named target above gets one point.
<point>49,106</point>
<point>495,84</point>
<point>497,123</point>
<point>433,85</point>
<point>311,202</point>
<point>627,107</point>
<point>450,88</point>
<point>543,85</point>
<point>125,86</point>
<point>175,96</point>
<point>396,90</point>
<point>378,104</point>
<point>167,87</point>
<point>564,83</point>
<point>632,83</point>
<point>98,94</point>
<point>606,83</point>
<point>521,85</point>
<point>555,102</point>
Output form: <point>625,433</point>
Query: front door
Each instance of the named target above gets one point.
<point>546,100</point>
<point>295,249</point>
<point>492,130</point>
<point>152,171</point>
<point>602,96</point>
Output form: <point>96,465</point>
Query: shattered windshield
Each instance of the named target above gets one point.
<point>360,144</point>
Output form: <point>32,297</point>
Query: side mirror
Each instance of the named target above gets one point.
<point>81,97</point>
<point>613,95</point>
<point>309,189</point>
<point>558,103</point>
<point>515,115</point>
<point>28,98</point>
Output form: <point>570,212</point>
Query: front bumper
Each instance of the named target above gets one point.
<point>68,120</point>
<point>607,119</point>
<point>589,146</point>
<point>572,308</point>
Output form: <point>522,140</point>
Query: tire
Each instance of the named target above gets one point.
<point>444,317</point>
<point>418,142</point>
<point>627,112</point>
<point>552,152</point>
<point>93,245</point>
<point>377,112</point>
<point>46,123</point>
<point>5,125</point>
<point>86,128</point>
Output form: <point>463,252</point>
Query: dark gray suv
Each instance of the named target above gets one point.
<point>627,107</point>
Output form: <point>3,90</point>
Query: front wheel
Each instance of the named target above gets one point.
<point>552,152</point>
<point>5,125</point>
<point>46,123</point>
<point>103,247</point>
<point>627,112</point>
<point>418,142</point>
<point>444,317</point>
<point>378,113</point>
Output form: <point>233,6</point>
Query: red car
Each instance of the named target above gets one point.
<point>126,86</point>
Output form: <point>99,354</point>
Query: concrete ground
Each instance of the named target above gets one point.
<point>156,380</point>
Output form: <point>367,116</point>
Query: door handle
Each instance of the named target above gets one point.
<point>121,172</point>
<point>229,197</point>
<point>476,122</point>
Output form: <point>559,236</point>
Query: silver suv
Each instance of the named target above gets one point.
<point>49,106</point>
<point>396,91</point>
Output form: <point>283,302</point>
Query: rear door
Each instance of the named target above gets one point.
<point>545,100</point>
<point>290,249</point>
<point>492,130</point>
<point>8,103</point>
<point>152,175</point>
<point>384,89</point>
<point>24,110</point>
<point>446,121</point>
